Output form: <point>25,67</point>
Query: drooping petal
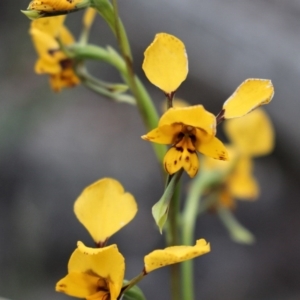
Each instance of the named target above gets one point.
<point>66,78</point>
<point>175,254</point>
<point>195,116</point>
<point>251,94</point>
<point>182,155</point>
<point>253,134</point>
<point>213,148</point>
<point>106,263</point>
<point>191,163</point>
<point>104,208</point>
<point>173,161</point>
<point>164,134</point>
<point>78,284</point>
<point>241,183</point>
<point>165,63</point>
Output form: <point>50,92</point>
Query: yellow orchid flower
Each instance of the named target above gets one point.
<point>104,208</point>
<point>52,60</point>
<point>46,8</point>
<point>188,130</point>
<point>94,274</point>
<point>166,66</point>
<point>252,135</point>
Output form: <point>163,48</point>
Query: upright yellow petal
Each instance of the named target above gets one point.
<point>104,208</point>
<point>253,134</point>
<point>250,94</point>
<point>175,254</point>
<point>105,263</point>
<point>165,63</point>
<point>195,116</point>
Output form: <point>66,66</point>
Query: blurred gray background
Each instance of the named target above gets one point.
<point>53,145</point>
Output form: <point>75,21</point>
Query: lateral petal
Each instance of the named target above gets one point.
<point>174,254</point>
<point>213,148</point>
<point>251,94</point>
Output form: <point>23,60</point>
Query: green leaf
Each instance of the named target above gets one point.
<point>238,233</point>
<point>134,293</point>
<point>161,208</point>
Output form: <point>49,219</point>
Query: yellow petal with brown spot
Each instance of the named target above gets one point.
<point>173,161</point>
<point>213,148</point>
<point>53,5</point>
<point>175,254</point>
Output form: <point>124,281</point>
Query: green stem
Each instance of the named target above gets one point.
<point>189,217</point>
<point>107,12</point>
<point>173,240</point>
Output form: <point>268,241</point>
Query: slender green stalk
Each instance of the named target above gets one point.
<point>109,90</point>
<point>108,13</point>
<point>173,240</point>
<point>189,217</point>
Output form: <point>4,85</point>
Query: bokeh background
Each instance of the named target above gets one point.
<point>53,145</point>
